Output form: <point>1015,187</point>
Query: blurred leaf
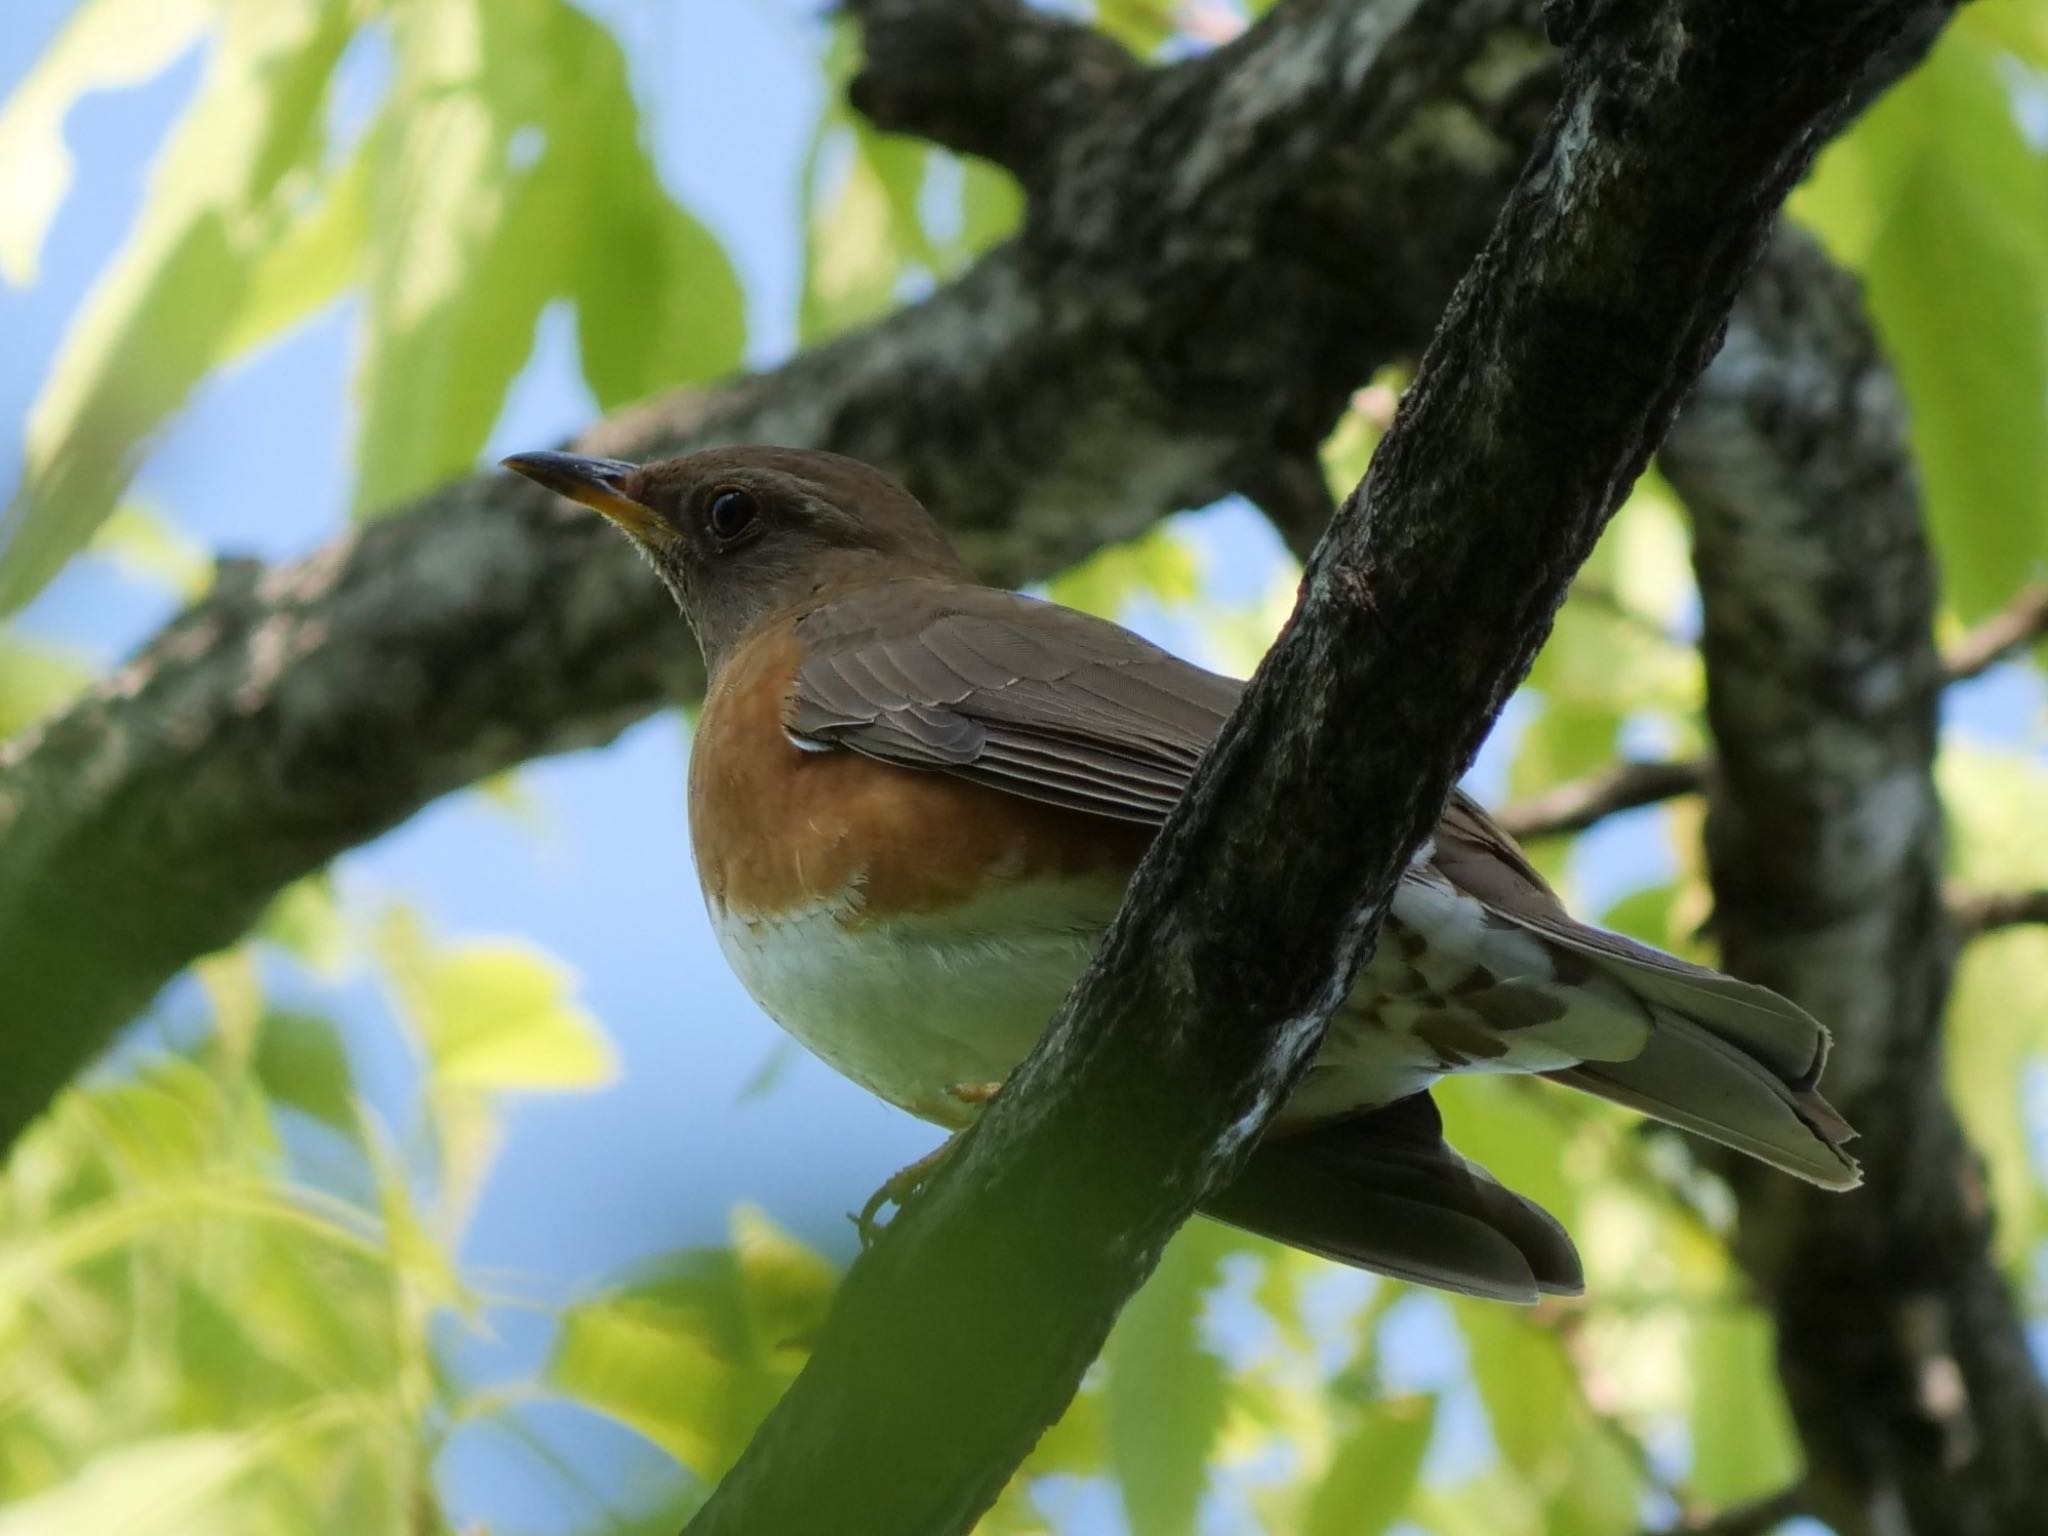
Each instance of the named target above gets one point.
<point>300,1061</point>
<point>991,206</point>
<point>1140,25</point>
<point>309,262</point>
<point>1997,1025</point>
<point>696,1350</point>
<point>1374,1470</point>
<point>494,1014</point>
<point>147,546</point>
<point>1159,564</point>
<point>304,921</point>
<point>863,226</point>
<point>1935,196</point>
<point>1586,1484</point>
<point>164,1486</point>
<point>508,172</point>
<point>154,322</point>
<point>1165,1394</point>
<point>104,45</point>
<point>1742,1437</point>
<point>36,680</point>
<point>2018,26</point>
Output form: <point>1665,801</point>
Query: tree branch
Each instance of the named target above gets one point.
<point>993,78</point>
<point>1978,913</point>
<point>1578,803</point>
<point>2019,624</point>
<point>1613,263</point>
<point>1903,1356</point>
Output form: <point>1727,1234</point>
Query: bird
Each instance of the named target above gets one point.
<point>915,801</point>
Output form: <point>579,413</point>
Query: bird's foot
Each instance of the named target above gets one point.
<point>896,1190</point>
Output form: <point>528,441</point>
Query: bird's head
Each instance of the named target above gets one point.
<point>738,534</point>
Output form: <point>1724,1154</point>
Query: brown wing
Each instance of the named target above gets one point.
<point>1025,696</point>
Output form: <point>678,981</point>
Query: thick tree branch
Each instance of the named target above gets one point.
<point>1906,1364</point>
<point>1680,128</point>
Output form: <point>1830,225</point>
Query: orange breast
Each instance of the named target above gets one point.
<point>778,829</point>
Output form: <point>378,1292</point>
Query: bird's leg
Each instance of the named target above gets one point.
<point>907,1180</point>
<point>898,1188</point>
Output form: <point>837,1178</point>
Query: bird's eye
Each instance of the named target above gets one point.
<point>732,513</point>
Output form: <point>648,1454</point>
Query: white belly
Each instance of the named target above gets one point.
<point>914,1007</point>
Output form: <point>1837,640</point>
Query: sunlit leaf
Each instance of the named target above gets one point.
<point>154,323</point>
<point>165,1486</point>
<point>104,45</point>
<point>146,545</point>
<point>1165,1394</point>
<point>1742,1437</point>
<point>495,1014</point>
<point>1374,1470</point>
<point>1935,197</point>
<point>1544,1429</point>
<point>311,260</point>
<point>1159,564</point>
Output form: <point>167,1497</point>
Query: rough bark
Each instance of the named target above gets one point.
<point>1900,1345</point>
<point>1613,263</point>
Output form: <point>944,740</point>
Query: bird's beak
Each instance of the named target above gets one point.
<point>598,483</point>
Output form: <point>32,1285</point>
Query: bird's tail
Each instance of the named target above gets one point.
<point>1733,1062</point>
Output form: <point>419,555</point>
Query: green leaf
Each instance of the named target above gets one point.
<point>104,45</point>
<point>1165,1395</point>
<point>492,1014</point>
<point>1936,196</point>
<point>148,547</point>
<point>1742,1437</point>
<point>695,1351</point>
<point>300,1061</point>
<point>1159,564</point>
<point>166,1486</point>
<point>36,680</point>
<point>506,173</point>
<point>1545,1431</point>
<point>308,263</point>
<point>1374,1470</point>
<point>154,323</point>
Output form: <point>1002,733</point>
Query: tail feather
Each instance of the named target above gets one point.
<point>1383,1191</point>
<point>1693,1076</point>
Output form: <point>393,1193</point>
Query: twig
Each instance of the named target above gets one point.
<point>1579,803</point>
<point>2019,623</point>
<point>1977,913</point>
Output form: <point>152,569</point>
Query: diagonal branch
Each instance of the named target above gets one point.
<point>1681,127</point>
